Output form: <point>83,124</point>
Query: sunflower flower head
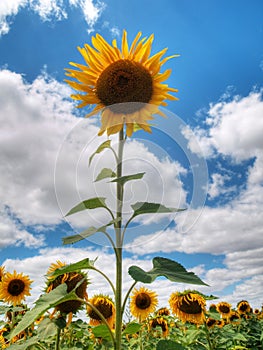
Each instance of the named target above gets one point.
<point>124,83</point>
<point>243,307</point>
<point>105,306</point>
<point>72,279</point>
<point>14,287</point>
<point>163,311</point>
<point>143,303</point>
<point>224,308</point>
<point>234,317</point>
<point>2,272</point>
<point>188,306</point>
<point>159,322</point>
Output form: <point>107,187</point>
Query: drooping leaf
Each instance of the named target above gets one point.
<point>101,331</point>
<point>123,179</point>
<point>170,269</point>
<point>45,302</point>
<point>132,328</point>
<point>26,344</point>
<point>80,265</point>
<point>101,148</point>
<point>151,208</point>
<point>105,173</point>
<point>169,345</point>
<point>92,203</point>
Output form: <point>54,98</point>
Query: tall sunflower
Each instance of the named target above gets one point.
<point>124,83</point>
<point>14,287</point>
<point>105,306</point>
<point>224,308</point>
<point>71,279</point>
<point>143,303</point>
<point>189,307</point>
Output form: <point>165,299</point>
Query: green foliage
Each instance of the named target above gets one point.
<point>151,208</point>
<point>123,179</point>
<point>92,203</point>
<point>102,147</point>
<point>80,265</point>
<point>105,173</point>
<point>170,269</point>
<point>169,345</point>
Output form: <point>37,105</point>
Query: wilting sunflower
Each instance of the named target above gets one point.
<point>14,287</point>
<point>224,308</point>
<point>143,302</point>
<point>189,307</point>
<point>159,322</point>
<point>163,311</point>
<point>210,322</point>
<point>71,279</point>
<point>220,323</point>
<point>124,83</point>
<point>243,307</point>
<point>2,272</point>
<point>105,306</point>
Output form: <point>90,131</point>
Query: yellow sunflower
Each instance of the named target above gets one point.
<point>14,287</point>
<point>234,317</point>
<point>224,308</point>
<point>124,83</point>
<point>163,311</point>
<point>2,272</point>
<point>210,322</point>
<point>243,307</point>
<point>189,307</point>
<point>159,322</point>
<point>105,306</point>
<point>71,279</point>
<point>143,303</point>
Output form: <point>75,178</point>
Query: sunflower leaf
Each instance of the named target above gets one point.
<point>45,302</point>
<point>169,345</point>
<point>80,265</point>
<point>132,328</point>
<point>150,208</point>
<point>26,344</point>
<point>87,233</point>
<point>101,331</point>
<point>105,173</point>
<point>101,148</point>
<point>170,269</point>
<point>92,203</point>
<point>123,179</point>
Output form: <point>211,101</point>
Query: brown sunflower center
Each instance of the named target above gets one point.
<point>192,307</point>
<point>224,309</point>
<point>244,307</point>
<point>124,81</point>
<point>16,287</point>
<point>104,308</point>
<point>143,301</point>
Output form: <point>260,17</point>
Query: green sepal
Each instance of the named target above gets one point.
<point>123,179</point>
<point>102,147</point>
<point>105,173</point>
<point>170,269</point>
<point>92,203</point>
<point>151,208</point>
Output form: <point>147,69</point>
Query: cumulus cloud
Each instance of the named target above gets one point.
<point>49,10</point>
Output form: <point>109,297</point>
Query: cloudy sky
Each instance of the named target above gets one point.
<point>206,156</point>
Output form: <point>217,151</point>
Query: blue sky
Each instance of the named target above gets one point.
<point>207,156</point>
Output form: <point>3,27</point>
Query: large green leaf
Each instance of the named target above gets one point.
<point>92,203</point>
<point>80,265</point>
<point>170,269</point>
<point>123,179</point>
<point>169,345</point>
<point>45,302</point>
<point>101,148</point>
<point>105,173</point>
<point>132,328</point>
<point>28,344</point>
<point>101,331</point>
<point>150,208</point>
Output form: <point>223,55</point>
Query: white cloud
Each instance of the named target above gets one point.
<point>217,186</point>
<point>49,10</point>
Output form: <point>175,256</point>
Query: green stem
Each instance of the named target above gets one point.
<point>58,339</point>
<point>118,248</point>
<point>127,295</point>
<point>106,277</point>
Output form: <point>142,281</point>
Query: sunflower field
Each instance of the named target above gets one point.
<point>54,321</point>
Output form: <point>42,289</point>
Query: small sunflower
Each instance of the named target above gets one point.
<point>125,84</point>
<point>105,306</point>
<point>243,307</point>
<point>71,279</point>
<point>220,323</point>
<point>210,322</point>
<point>159,322</point>
<point>143,302</point>
<point>14,287</point>
<point>224,308</point>
<point>189,307</point>
<point>234,317</point>
<point>163,312</point>
<point>2,272</point>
